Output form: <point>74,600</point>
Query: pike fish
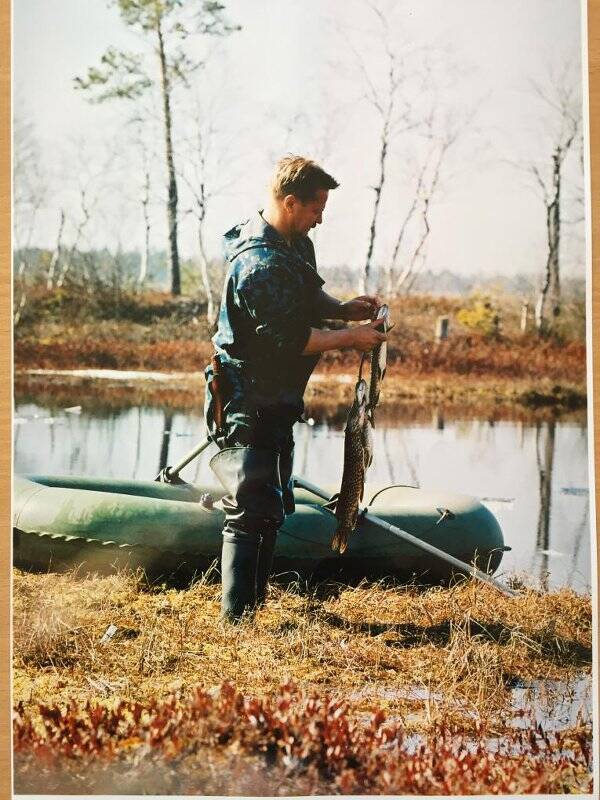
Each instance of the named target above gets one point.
<point>378,364</point>
<point>367,439</point>
<point>353,477</point>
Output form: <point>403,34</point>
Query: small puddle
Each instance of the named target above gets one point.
<point>550,704</point>
<point>554,705</point>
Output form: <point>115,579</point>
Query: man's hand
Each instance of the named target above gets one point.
<point>365,337</point>
<point>359,337</point>
<point>359,308</point>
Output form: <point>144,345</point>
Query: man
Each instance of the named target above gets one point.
<point>268,342</point>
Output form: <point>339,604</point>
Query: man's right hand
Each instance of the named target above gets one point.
<point>365,337</point>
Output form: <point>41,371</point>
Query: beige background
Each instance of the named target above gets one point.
<point>5,336</point>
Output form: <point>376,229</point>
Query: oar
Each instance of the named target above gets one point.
<point>171,474</point>
<point>408,537</point>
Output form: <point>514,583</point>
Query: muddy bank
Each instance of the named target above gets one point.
<point>327,397</point>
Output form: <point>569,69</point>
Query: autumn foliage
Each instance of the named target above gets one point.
<point>289,743</point>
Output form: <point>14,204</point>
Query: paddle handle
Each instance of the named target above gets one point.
<point>172,472</point>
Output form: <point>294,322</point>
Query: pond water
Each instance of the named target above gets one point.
<point>533,476</point>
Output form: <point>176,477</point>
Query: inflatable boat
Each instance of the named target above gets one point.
<point>175,530</point>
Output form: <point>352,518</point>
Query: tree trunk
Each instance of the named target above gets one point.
<point>172,193</point>
<point>549,298</point>
<point>145,255</point>
<point>56,254</point>
<point>68,261</point>
<point>211,306</point>
<point>366,276</point>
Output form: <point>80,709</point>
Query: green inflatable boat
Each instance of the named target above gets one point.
<point>175,530</point>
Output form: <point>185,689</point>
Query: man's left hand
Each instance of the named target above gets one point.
<point>359,308</point>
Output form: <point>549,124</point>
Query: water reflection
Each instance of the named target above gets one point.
<point>533,476</point>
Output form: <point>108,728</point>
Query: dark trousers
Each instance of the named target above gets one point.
<point>248,423</point>
<point>254,464</point>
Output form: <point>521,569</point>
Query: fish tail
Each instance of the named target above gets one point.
<point>340,539</point>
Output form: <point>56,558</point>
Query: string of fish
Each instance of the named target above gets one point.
<point>358,439</point>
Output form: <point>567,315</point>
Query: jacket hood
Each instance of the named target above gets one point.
<point>254,232</point>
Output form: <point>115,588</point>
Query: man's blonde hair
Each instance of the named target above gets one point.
<point>301,177</point>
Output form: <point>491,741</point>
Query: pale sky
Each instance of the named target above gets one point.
<point>290,81</point>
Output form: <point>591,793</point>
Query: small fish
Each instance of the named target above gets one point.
<point>378,363</point>
<point>353,477</point>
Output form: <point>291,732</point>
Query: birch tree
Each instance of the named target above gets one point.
<point>166,25</point>
<point>394,114</point>
<point>561,97</point>
<point>210,154</point>
<point>441,135</point>
<point>29,196</point>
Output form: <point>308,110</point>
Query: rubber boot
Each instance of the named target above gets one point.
<point>239,556</point>
<point>265,564</point>
<point>254,503</point>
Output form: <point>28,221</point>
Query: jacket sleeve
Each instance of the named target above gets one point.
<point>270,295</point>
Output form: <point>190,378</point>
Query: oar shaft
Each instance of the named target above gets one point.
<point>173,471</point>
<point>408,537</point>
<point>429,548</point>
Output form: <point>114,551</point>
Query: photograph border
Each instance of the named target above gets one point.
<point>593,249</point>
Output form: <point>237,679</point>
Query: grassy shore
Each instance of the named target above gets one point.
<point>377,688</point>
<point>389,675</point>
<point>475,364</point>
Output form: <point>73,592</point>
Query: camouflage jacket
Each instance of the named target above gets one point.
<point>270,302</point>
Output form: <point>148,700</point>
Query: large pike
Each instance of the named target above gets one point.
<point>353,478</point>
<point>378,364</point>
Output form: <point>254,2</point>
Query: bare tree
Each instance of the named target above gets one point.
<point>145,195</point>
<point>29,183</point>
<point>167,24</point>
<point>202,178</point>
<point>394,114</point>
<point>562,98</point>
<point>427,186</point>
<point>85,210</point>
<point>83,180</point>
<point>145,201</point>
<point>56,253</point>
<point>29,195</point>
<point>197,186</point>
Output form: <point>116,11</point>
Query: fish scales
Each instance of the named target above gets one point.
<point>358,441</point>
<point>353,477</point>
<point>367,439</point>
<point>378,365</point>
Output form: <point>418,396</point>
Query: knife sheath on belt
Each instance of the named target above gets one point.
<point>216,390</point>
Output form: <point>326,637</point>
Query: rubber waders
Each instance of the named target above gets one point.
<point>265,564</point>
<point>253,505</point>
<point>239,558</point>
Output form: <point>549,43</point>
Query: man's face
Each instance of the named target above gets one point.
<point>304,216</point>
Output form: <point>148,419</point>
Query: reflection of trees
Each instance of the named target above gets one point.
<point>388,458</point>
<point>438,419</point>
<point>307,430</point>
<point>138,443</point>
<point>579,537</point>
<point>544,445</point>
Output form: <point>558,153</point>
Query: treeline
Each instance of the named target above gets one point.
<point>122,271</point>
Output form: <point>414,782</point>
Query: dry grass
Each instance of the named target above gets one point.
<point>437,663</point>
<point>369,643</point>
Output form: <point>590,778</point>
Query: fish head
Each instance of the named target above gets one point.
<point>383,312</point>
